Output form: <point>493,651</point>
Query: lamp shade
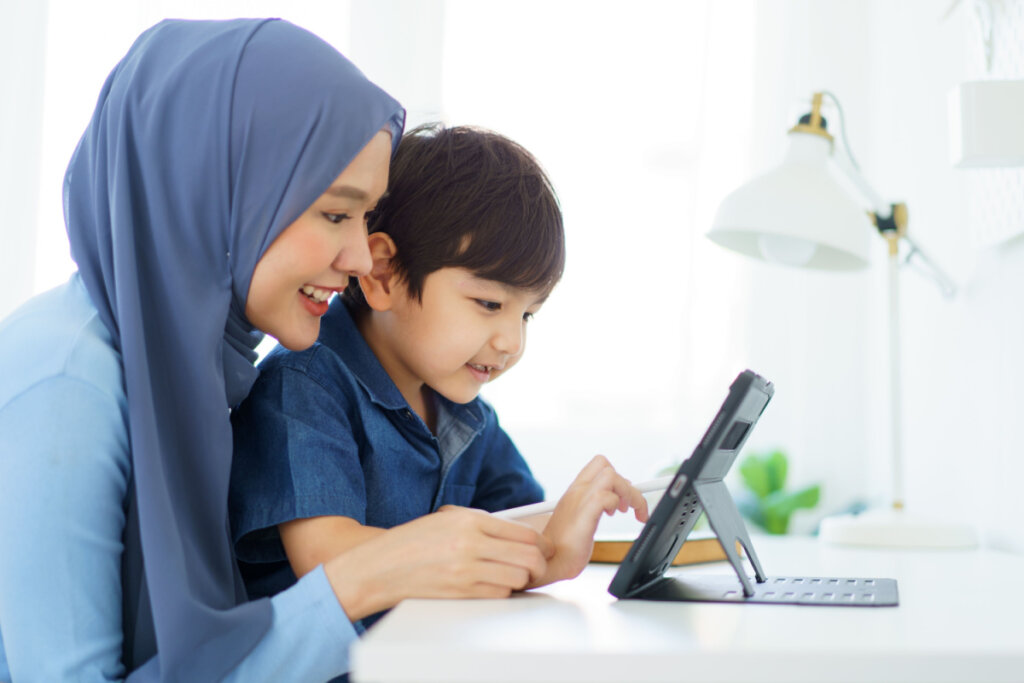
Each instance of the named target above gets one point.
<point>797,214</point>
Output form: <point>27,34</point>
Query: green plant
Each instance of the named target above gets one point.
<point>770,506</point>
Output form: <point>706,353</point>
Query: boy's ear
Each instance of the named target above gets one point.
<point>378,285</point>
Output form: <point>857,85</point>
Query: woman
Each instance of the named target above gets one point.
<point>220,190</point>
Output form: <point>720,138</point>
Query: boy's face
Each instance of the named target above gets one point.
<point>466,331</point>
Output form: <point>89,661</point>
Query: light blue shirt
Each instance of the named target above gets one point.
<point>64,473</point>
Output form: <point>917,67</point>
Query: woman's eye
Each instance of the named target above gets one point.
<point>527,317</point>
<point>336,217</point>
<point>489,305</point>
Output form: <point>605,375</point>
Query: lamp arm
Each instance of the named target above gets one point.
<point>919,261</point>
<point>887,216</point>
<point>879,206</point>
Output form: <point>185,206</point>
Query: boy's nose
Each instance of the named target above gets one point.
<point>510,338</point>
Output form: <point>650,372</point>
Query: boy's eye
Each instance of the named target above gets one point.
<point>489,305</point>
<point>336,217</point>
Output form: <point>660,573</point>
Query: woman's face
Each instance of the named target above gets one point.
<point>313,257</point>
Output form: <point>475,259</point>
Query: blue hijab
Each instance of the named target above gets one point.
<point>208,139</point>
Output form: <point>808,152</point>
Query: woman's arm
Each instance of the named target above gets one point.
<point>64,472</point>
<point>459,553</point>
<point>455,553</point>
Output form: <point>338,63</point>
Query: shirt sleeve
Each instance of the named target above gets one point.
<point>308,640</point>
<point>64,473</point>
<point>505,480</point>
<point>295,457</point>
<point>63,477</point>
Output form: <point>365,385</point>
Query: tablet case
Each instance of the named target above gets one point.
<point>698,486</point>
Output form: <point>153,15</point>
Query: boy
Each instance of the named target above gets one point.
<point>380,422</point>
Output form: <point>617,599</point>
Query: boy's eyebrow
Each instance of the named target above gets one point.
<point>511,289</point>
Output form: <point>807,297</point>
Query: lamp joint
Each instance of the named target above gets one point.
<point>813,122</point>
<point>895,223</point>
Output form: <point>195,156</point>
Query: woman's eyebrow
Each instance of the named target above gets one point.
<point>347,191</point>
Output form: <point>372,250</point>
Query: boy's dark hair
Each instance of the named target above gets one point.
<point>468,198</point>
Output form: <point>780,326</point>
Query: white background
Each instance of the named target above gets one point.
<point>646,114</point>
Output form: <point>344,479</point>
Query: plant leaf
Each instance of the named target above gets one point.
<point>777,467</point>
<point>782,504</point>
<point>755,476</point>
<point>775,524</point>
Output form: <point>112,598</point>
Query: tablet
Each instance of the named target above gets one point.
<point>698,487</point>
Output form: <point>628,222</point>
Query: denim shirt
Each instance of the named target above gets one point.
<point>325,431</point>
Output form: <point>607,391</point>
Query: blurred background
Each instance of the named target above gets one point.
<point>646,114</point>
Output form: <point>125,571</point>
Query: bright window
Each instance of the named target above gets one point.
<point>640,112</point>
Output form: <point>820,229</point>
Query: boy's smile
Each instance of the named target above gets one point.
<point>465,332</point>
<point>483,372</point>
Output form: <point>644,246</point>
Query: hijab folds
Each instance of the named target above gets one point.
<point>208,139</point>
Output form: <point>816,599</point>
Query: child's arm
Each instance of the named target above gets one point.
<point>598,488</point>
<point>313,541</point>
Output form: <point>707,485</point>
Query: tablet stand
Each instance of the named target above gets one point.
<point>728,526</point>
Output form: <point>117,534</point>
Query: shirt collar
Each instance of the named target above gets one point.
<point>338,331</point>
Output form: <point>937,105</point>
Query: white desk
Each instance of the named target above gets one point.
<point>960,618</point>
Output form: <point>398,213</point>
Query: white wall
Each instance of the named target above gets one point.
<point>892,65</point>
<point>963,367</point>
<point>820,337</point>
<point>807,329</point>
<point>640,113</point>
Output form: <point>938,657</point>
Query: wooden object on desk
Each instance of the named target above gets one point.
<point>699,548</point>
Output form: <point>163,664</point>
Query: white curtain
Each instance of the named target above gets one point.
<point>22,58</point>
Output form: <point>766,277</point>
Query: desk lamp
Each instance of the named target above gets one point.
<point>805,214</point>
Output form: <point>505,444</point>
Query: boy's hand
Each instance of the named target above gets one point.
<point>598,488</point>
<point>453,553</point>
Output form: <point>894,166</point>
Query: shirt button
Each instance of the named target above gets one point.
<point>408,414</point>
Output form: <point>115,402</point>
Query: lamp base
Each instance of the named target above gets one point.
<point>895,529</point>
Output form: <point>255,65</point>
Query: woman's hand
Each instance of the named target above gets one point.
<point>598,488</point>
<point>452,553</point>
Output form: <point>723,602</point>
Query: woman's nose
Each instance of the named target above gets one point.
<point>354,256</point>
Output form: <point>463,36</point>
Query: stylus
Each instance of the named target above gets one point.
<point>659,484</point>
